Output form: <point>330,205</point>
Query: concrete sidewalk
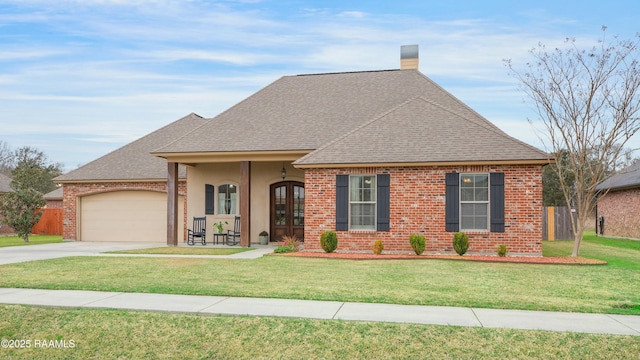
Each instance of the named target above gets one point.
<point>329,310</point>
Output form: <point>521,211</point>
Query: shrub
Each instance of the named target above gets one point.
<point>284,249</point>
<point>377,247</point>
<point>460,243</point>
<point>418,243</point>
<point>291,241</point>
<point>289,244</point>
<point>329,241</point>
<point>502,250</point>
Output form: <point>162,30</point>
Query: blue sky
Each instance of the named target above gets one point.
<point>79,79</point>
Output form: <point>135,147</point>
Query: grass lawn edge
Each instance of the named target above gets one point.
<point>551,260</point>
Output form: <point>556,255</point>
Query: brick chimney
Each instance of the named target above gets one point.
<point>409,57</point>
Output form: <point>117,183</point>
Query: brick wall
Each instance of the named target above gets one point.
<point>71,193</point>
<point>621,211</point>
<point>418,207</point>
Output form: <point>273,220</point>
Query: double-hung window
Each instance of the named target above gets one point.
<point>474,202</point>
<point>362,202</point>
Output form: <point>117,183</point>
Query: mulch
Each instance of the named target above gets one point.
<point>556,260</point>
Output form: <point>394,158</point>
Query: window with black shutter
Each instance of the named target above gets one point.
<point>342,202</point>
<point>209,199</point>
<point>363,202</point>
<point>497,202</point>
<point>474,202</point>
<point>384,202</point>
<point>452,212</point>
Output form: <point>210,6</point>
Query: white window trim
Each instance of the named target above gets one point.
<point>375,203</point>
<point>488,202</point>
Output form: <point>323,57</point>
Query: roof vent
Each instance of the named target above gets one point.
<point>409,57</point>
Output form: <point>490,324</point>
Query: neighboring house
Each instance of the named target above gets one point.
<point>122,196</point>
<point>54,199</point>
<point>5,187</point>
<point>620,204</point>
<point>371,155</point>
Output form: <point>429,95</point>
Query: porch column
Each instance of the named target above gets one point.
<point>245,203</point>
<point>172,204</point>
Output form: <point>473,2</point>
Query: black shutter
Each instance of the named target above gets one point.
<point>342,202</point>
<point>209,199</point>
<point>452,202</point>
<point>383,202</point>
<point>497,202</point>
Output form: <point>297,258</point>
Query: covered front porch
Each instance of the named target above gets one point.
<point>264,190</point>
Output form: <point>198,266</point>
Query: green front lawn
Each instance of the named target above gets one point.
<point>114,334</point>
<point>96,333</point>
<point>619,253</point>
<point>614,288</point>
<point>33,240</point>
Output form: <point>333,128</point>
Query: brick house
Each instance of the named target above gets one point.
<point>122,196</point>
<point>371,155</point>
<point>620,204</point>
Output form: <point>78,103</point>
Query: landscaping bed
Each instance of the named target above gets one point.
<point>558,260</point>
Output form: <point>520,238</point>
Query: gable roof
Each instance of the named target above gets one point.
<point>423,131</point>
<point>378,110</point>
<point>305,112</point>
<point>134,161</point>
<point>625,179</point>
<point>5,184</point>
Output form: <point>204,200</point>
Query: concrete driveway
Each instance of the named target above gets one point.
<point>16,254</point>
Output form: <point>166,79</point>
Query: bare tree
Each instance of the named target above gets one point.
<point>6,158</point>
<point>589,102</point>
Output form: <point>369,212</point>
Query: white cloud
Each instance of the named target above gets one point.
<point>106,71</point>
<point>28,54</point>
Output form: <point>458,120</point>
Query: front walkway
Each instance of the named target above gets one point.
<point>16,254</point>
<point>329,310</point>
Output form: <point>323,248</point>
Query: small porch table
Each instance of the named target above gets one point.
<point>216,237</point>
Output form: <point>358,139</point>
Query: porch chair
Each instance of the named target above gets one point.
<point>199,231</point>
<point>233,236</point>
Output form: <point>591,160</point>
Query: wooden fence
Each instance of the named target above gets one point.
<point>556,223</point>
<point>50,223</point>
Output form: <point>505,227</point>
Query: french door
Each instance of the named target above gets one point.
<point>287,210</point>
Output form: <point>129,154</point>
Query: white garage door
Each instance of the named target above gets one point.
<point>126,216</point>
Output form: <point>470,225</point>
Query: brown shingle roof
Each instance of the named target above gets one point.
<point>423,131</point>
<point>391,116</point>
<point>626,179</point>
<point>5,184</point>
<point>305,112</point>
<point>134,161</point>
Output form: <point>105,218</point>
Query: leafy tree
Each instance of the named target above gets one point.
<point>589,103</point>
<point>32,176</point>
<point>20,210</point>
<point>32,169</point>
